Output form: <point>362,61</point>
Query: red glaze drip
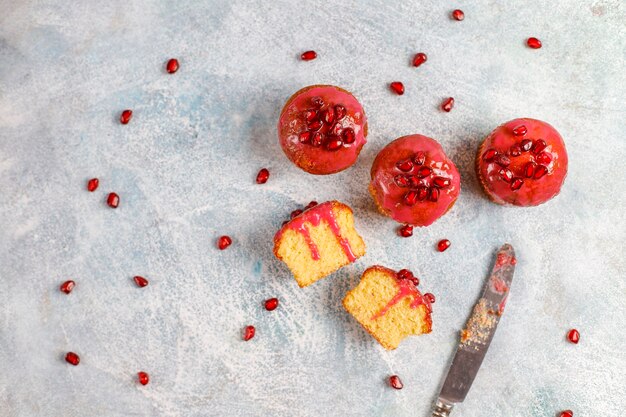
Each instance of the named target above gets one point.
<point>314,216</point>
<point>406,288</point>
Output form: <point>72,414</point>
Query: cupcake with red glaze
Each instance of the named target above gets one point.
<point>522,162</point>
<point>322,129</point>
<point>413,181</point>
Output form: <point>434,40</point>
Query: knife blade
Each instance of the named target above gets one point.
<point>478,333</point>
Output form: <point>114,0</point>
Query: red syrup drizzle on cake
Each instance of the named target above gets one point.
<point>321,212</point>
<point>406,288</point>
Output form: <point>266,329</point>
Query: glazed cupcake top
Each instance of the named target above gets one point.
<point>322,129</point>
<point>522,162</point>
<point>413,181</point>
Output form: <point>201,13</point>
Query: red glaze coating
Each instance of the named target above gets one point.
<point>524,172</point>
<point>343,133</point>
<point>407,287</point>
<point>411,196</point>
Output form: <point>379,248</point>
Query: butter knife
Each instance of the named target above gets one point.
<point>479,330</point>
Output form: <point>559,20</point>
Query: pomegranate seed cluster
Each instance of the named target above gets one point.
<point>534,169</point>
<point>324,127</point>
<point>420,179</point>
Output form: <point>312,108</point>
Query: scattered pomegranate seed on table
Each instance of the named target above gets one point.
<point>406,230</point>
<point>172,66</point>
<point>419,59</point>
<point>92,184</point>
<point>113,200</point>
<point>533,43</point>
<point>140,281</point>
<point>143,378</point>
<point>67,286</point>
<point>223,242</point>
<point>308,55</point>
<point>262,176</point>
<point>573,336</point>
<point>430,297</point>
<point>458,15</point>
<point>447,104</point>
<point>443,245</point>
<point>248,333</point>
<point>395,382</point>
<point>72,358</point>
<point>126,116</point>
<point>567,413</point>
<point>271,304</point>
<point>397,87</point>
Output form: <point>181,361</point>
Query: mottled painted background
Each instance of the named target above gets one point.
<point>185,167</point>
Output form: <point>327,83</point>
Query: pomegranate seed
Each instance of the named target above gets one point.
<point>248,333</point>
<point>328,115</point>
<point>67,286</point>
<point>172,66</point>
<point>317,139</point>
<point>533,43</point>
<point>397,87</point>
<point>441,182</point>
<point>458,15</point>
<point>340,112</point>
<point>348,135</point>
<point>271,304</point>
<point>567,413</point>
<point>414,181</point>
<point>539,146</point>
<point>395,382</point>
<point>140,281</point>
<point>405,166</point>
<point>516,184</point>
<point>540,171</point>
<point>92,184</point>
<point>447,104</point>
<point>404,274</point>
<point>308,55</point>
<point>304,137</point>
<point>431,298</point>
<point>334,144</point>
<point>223,242</point>
<point>295,213</point>
<point>503,160</point>
<point>443,245</point>
<point>423,172</point>
<point>544,158</point>
<point>311,205</point>
<point>310,115</point>
<point>520,130</point>
<point>422,192</point>
<point>515,150</point>
<point>505,175</point>
<point>143,378</point>
<point>315,125</point>
<point>490,155</point>
<point>410,198</point>
<point>529,169</point>
<point>406,230</point>
<point>72,358</point>
<point>433,194</point>
<point>419,59</point>
<point>317,102</point>
<point>113,200</point>
<point>262,176</point>
<point>526,145</point>
<point>419,158</point>
<point>573,336</point>
<point>401,181</point>
<point>126,116</point>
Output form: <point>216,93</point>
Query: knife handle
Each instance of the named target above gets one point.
<point>442,409</point>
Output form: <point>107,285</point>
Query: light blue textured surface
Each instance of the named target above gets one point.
<point>184,169</point>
